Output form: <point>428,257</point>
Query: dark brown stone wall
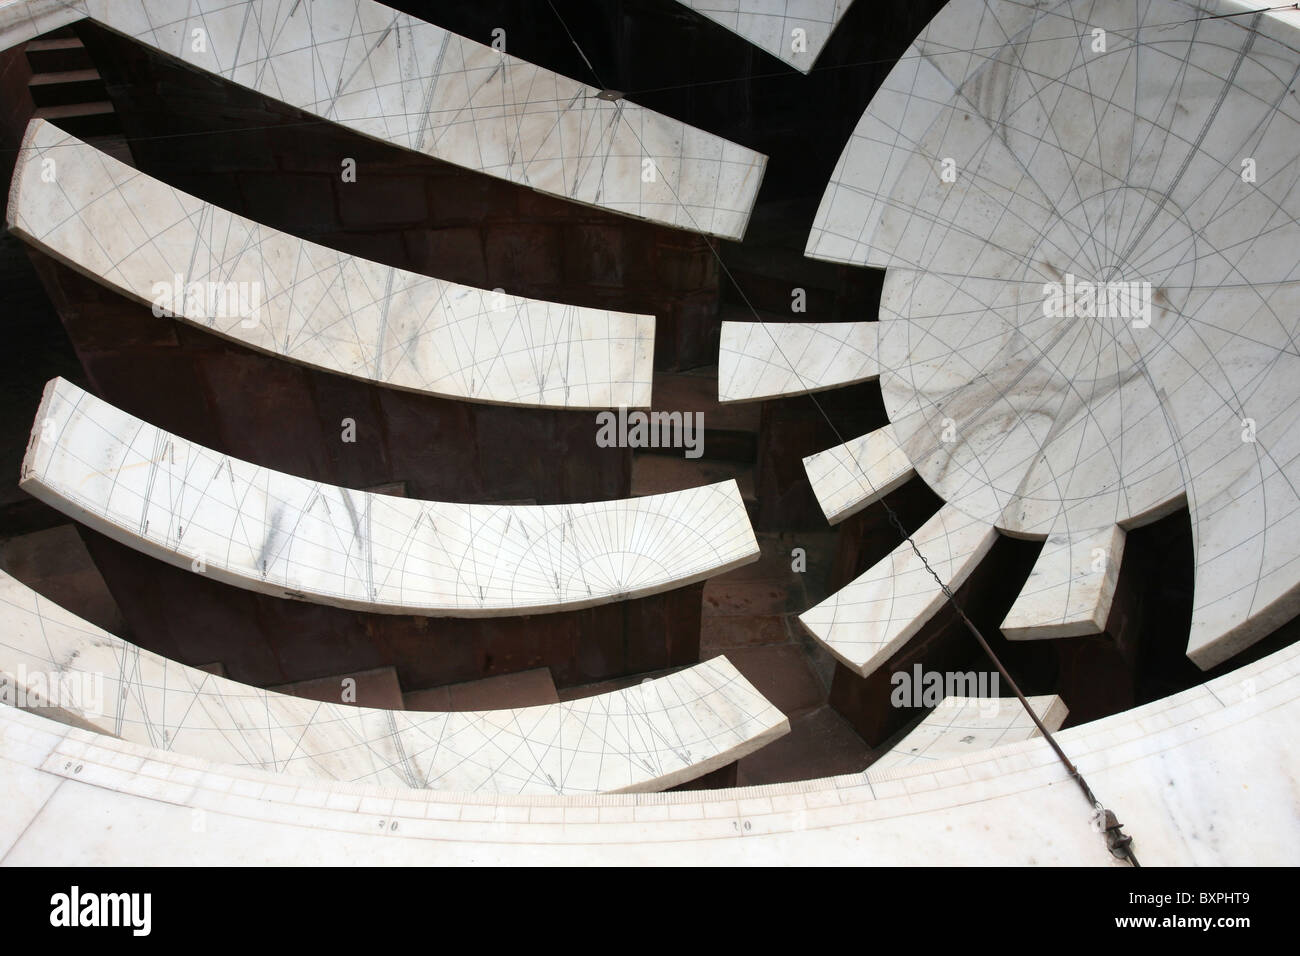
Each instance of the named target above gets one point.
<point>283,416</point>
<point>264,640</point>
<point>16,109</point>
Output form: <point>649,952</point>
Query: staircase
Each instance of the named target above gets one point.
<point>69,92</point>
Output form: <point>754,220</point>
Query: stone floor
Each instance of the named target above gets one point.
<point>751,616</point>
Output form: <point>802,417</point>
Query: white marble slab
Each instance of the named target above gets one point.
<point>647,737</point>
<point>313,305</point>
<point>967,725</point>
<point>1224,756</point>
<point>394,78</point>
<point>875,615</point>
<point>291,537</point>
<point>1164,158</point>
<point>858,473</point>
<point>771,24</point>
<point>964,37</point>
<point>1070,590</point>
<point>761,360</point>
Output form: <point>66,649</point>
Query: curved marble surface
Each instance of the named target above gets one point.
<point>858,473</point>
<point>1071,588</point>
<point>965,725</point>
<point>314,305</point>
<point>940,69</point>
<point>394,78</point>
<point>872,617</point>
<point>1207,777</point>
<point>649,737</point>
<point>1071,163</point>
<point>770,24</point>
<point>762,360</point>
<point>291,537</point>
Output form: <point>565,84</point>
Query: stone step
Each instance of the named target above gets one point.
<point>374,688</point>
<point>503,692</point>
<point>64,87</point>
<point>82,119</point>
<point>56,77</point>
<point>54,54</point>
